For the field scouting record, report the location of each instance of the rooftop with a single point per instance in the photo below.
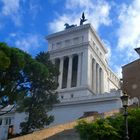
(73, 29)
(137, 50)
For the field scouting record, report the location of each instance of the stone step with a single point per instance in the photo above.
(70, 134)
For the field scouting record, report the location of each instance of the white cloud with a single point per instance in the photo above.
(71, 4)
(97, 13)
(118, 70)
(28, 43)
(34, 8)
(12, 34)
(11, 8)
(58, 24)
(129, 31)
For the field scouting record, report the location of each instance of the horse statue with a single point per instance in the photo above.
(67, 26)
(83, 19)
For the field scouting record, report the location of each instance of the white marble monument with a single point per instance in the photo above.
(86, 83)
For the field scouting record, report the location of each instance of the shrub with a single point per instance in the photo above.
(134, 124)
(111, 128)
(101, 129)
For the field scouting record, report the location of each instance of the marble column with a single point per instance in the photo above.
(61, 72)
(94, 76)
(91, 72)
(69, 72)
(85, 69)
(102, 81)
(79, 69)
(98, 77)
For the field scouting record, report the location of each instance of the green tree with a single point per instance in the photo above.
(134, 123)
(12, 80)
(29, 84)
(42, 93)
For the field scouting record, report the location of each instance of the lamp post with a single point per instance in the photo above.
(124, 99)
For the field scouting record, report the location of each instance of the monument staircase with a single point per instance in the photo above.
(64, 131)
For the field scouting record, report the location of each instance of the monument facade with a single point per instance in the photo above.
(81, 58)
(85, 76)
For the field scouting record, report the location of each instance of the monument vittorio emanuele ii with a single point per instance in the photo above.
(86, 83)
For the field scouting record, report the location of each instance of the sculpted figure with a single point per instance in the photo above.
(67, 26)
(83, 19)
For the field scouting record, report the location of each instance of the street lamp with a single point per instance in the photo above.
(124, 99)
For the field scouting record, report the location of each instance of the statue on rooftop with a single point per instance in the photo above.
(67, 26)
(83, 19)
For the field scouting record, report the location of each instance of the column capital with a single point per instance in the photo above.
(62, 57)
(79, 53)
(70, 56)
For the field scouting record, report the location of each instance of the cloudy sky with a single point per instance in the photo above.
(25, 23)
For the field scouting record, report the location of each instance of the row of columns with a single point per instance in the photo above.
(70, 72)
(97, 77)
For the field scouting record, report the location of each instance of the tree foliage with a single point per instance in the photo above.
(101, 129)
(111, 128)
(29, 83)
(134, 124)
(12, 62)
(42, 93)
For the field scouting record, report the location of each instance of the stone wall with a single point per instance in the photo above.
(52, 131)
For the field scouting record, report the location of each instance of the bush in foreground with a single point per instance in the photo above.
(111, 128)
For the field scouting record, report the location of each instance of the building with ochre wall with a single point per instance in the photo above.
(131, 78)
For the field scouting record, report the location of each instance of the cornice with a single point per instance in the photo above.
(73, 89)
(70, 30)
(98, 38)
(78, 28)
(90, 99)
(73, 48)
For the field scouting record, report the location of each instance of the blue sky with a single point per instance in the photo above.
(25, 23)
